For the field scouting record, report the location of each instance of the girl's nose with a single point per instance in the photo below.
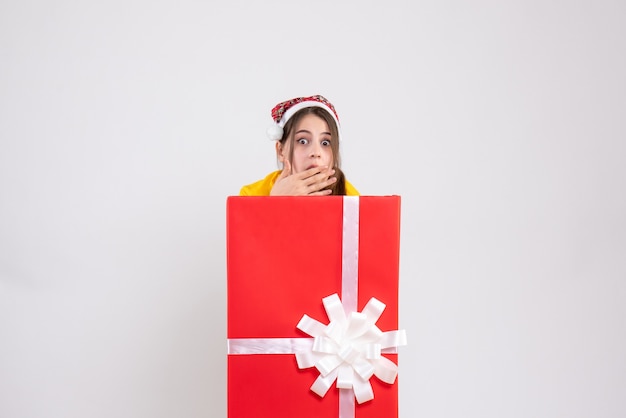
(316, 150)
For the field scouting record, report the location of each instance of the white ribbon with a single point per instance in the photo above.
(347, 350)
(268, 345)
(350, 254)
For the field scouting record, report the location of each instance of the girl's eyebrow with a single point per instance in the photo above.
(309, 132)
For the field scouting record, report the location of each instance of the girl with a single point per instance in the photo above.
(306, 132)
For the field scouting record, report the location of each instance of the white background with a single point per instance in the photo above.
(124, 125)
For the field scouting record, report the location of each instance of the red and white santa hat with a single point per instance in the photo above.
(283, 111)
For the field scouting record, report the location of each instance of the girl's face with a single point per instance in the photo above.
(311, 144)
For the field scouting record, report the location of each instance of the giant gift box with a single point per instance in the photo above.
(285, 256)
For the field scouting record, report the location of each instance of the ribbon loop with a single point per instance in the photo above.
(374, 309)
(334, 308)
(324, 345)
(393, 339)
(310, 326)
(323, 383)
(362, 390)
(357, 326)
(386, 370)
(307, 359)
(345, 377)
(372, 351)
(364, 369)
(328, 364)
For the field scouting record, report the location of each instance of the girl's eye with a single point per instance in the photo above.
(326, 143)
(303, 141)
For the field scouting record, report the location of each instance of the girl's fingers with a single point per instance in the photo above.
(324, 192)
(313, 181)
(286, 170)
(319, 188)
(317, 175)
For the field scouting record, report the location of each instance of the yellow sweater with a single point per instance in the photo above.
(263, 187)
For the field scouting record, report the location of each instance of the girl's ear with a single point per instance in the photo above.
(280, 152)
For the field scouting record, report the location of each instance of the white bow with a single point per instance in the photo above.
(349, 349)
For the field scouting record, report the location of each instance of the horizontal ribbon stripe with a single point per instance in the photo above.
(269, 345)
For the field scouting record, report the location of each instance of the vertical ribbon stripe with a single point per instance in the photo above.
(350, 254)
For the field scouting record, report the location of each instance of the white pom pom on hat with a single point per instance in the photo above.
(283, 111)
(275, 132)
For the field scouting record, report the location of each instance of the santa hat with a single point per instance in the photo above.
(282, 112)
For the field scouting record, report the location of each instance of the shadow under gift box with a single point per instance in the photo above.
(284, 255)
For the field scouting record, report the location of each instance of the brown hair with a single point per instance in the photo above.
(339, 187)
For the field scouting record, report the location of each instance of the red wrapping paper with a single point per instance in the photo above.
(284, 255)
